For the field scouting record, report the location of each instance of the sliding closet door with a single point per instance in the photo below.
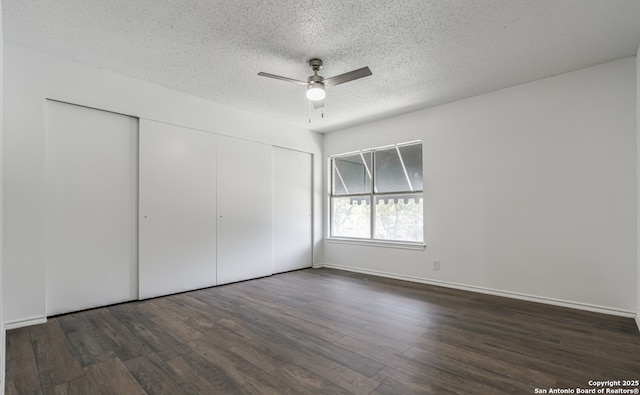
(244, 210)
(292, 205)
(91, 208)
(177, 209)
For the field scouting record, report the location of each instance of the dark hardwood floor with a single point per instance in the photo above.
(321, 332)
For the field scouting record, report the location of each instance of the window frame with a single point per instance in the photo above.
(373, 195)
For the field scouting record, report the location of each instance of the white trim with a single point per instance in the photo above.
(386, 146)
(378, 243)
(24, 322)
(638, 320)
(490, 291)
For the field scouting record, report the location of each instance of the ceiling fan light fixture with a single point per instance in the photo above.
(316, 83)
(315, 91)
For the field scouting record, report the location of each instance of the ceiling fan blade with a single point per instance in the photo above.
(277, 77)
(346, 77)
(317, 104)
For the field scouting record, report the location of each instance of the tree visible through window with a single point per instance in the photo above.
(377, 194)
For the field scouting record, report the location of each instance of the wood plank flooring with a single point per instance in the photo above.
(321, 331)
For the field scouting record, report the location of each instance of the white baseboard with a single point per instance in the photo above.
(489, 291)
(24, 322)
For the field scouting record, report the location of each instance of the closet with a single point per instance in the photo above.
(244, 210)
(177, 209)
(91, 208)
(292, 208)
(138, 208)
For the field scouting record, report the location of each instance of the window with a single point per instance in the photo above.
(377, 194)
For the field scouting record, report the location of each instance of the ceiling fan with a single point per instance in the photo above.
(316, 83)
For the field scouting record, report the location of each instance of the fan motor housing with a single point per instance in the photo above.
(315, 78)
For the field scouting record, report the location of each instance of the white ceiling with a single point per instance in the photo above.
(422, 53)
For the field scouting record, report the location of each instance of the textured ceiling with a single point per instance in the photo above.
(422, 53)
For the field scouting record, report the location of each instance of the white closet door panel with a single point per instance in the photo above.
(244, 210)
(292, 205)
(91, 208)
(177, 209)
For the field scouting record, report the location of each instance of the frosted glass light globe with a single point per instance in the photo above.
(315, 91)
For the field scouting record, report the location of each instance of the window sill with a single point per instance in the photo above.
(379, 243)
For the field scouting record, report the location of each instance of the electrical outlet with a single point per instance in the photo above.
(436, 265)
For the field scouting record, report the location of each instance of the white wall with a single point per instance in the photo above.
(638, 173)
(529, 191)
(30, 78)
(2, 330)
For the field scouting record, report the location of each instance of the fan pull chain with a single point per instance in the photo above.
(311, 111)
